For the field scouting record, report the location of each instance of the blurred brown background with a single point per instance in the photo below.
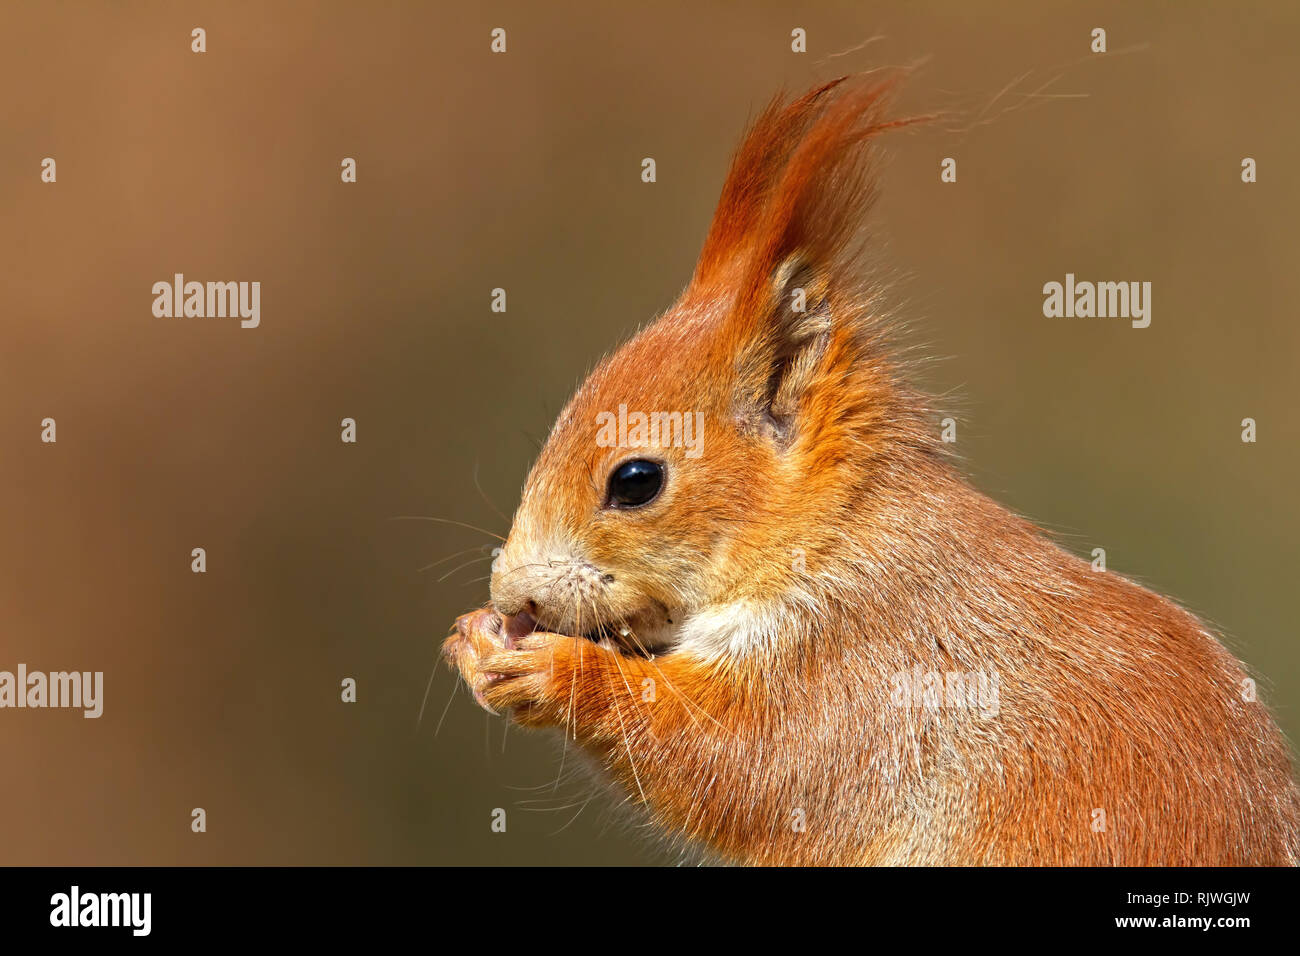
(522, 171)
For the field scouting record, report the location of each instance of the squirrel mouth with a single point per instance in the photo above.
(516, 626)
(643, 634)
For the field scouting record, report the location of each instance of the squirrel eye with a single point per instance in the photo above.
(635, 483)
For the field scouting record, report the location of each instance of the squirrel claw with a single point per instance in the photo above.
(482, 702)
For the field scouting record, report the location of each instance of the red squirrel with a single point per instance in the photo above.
(796, 634)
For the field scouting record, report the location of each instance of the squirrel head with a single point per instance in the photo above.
(708, 461)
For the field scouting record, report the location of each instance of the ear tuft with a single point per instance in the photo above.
(755, 170)
(783, 246)
(799, 186)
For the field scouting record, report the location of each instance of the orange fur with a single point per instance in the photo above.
(820, 546)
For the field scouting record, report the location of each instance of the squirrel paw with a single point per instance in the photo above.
(504, 672)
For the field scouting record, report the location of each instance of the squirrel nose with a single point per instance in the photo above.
(510, 593)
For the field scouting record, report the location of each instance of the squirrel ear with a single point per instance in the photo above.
(800, 330)
(783, 246)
